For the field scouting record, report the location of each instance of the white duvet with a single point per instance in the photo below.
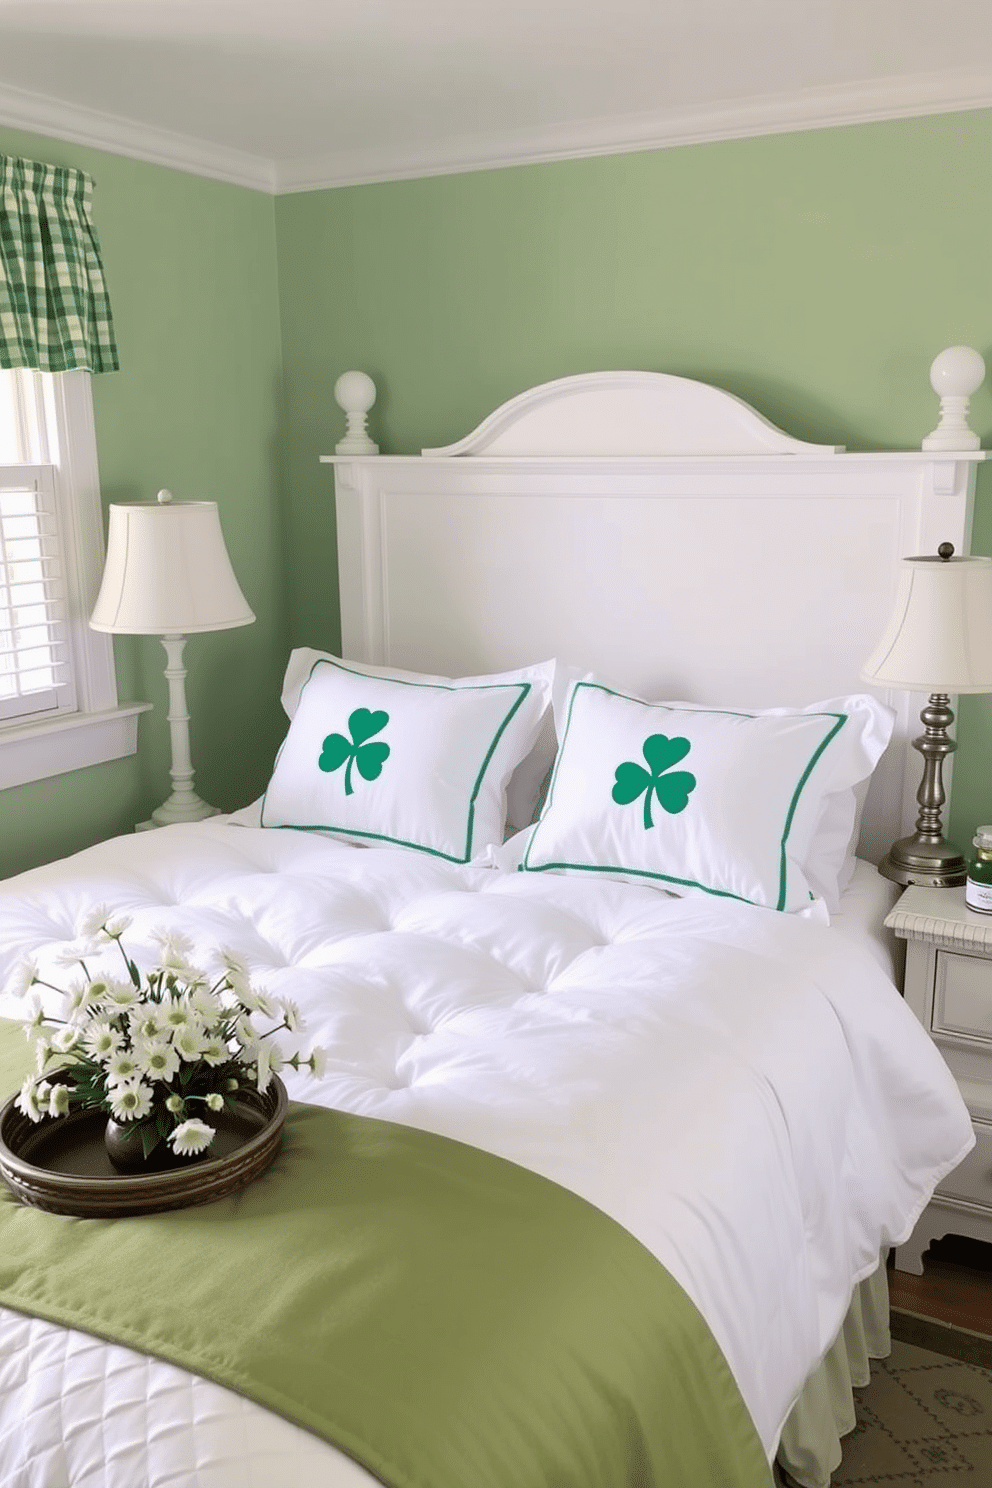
(745, 1091)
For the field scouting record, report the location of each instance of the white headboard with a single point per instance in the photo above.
(656, 531)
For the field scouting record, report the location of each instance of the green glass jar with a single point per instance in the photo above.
(978, 888)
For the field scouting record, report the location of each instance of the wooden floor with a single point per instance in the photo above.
(955, 1288)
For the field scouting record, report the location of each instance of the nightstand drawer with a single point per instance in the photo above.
(972, 1179)
(962, 996)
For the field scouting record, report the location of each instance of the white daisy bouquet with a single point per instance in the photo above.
(164, 1049)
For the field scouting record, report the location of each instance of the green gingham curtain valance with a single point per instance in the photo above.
(54, 310)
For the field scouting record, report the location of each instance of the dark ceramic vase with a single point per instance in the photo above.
(122, 1140)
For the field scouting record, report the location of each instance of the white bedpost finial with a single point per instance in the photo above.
(355, 393)
(164, 497)
(954, 375)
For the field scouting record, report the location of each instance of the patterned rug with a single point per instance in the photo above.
(925, 1420)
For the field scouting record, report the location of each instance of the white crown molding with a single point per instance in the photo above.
(813, 108)
(51, 117)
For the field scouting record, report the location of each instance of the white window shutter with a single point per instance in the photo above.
(35, 672)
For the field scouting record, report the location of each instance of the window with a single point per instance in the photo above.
(58, 694)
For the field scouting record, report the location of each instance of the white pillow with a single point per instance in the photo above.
(376, 754)
(524, 789)
(707, 800)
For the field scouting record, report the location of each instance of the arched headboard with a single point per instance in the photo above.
(658, 532)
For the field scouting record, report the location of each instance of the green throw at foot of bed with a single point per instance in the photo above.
(443, 1316)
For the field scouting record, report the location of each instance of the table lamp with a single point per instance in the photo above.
(939, 640)
(167, 573)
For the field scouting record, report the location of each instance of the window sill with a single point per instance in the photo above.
(55, 746)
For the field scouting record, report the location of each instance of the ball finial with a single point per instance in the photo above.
(946, 552)
(164, 497)
(954, 376)
(958, 371)
(355, 393)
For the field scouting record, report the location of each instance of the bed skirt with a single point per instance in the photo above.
(810, 1448)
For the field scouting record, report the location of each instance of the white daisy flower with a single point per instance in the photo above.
(42, 1055)
(93, 922)
(173, 942)
(204, 1004)
(79, 1000)
(247, 998)
(191, 1136)
(257, 1000)
(131, 1101)
(102, 1039)
(66, 1038)
(215, 1102)
(24, 978)
(264, 1004)
(176, 951)
(115, 928)
(122, 1068)
(291, 1015)
(318, 1063)
(234, 967)
(71, 955)
(269, 1061)
(120, 996)
(28, 1102)
(263, 1072)
(214, 1051)
(147, 1023)
(58, 1100)
(158, 1061)
(178, 1015)
(247, 1035)
(175, 1104)
(36, 1016)
(188, 1042)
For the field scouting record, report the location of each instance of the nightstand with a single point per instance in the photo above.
(949, 988)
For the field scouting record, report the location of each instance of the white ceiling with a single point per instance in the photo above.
(292, 94)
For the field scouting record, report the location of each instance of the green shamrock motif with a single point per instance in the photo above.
(672, 791)
(369, 758)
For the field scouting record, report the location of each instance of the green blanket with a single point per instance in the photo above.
(445, 1317)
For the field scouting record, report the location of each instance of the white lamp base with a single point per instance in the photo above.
(184, 805)
(173, 810)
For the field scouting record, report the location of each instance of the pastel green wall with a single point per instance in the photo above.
(815, 275)
(196, 407)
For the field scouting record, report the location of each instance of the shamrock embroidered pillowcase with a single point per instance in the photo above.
(696, 799)
(389, 757)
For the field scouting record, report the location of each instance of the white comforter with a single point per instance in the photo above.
(744, 1091)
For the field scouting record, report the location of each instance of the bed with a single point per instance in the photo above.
(702, 1042)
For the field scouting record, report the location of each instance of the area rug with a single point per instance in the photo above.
(925, 1420)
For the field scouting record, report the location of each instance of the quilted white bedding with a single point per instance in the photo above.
(743, 1090)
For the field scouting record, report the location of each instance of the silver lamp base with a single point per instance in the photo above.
(930, 861)
(927, 857)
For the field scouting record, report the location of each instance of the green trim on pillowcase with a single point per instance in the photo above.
(841, 720)
(434, 852)
(524, 866)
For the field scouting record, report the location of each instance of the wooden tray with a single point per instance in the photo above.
(61, 1164)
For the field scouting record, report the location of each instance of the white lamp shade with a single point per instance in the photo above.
(167, 572)
(939, 638)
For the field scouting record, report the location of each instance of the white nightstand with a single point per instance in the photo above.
(949, 988)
